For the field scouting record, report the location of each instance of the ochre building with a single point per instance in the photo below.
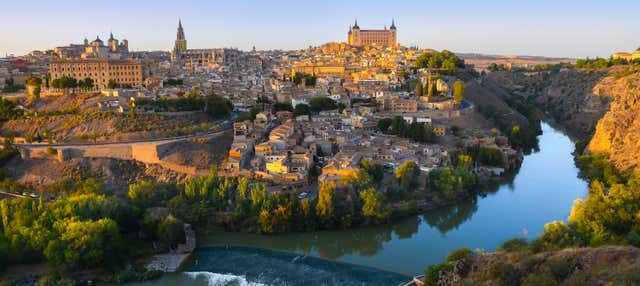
(379, 38)
(124, 72)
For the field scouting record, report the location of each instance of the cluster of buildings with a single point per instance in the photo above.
(369, 78)
(627, 56)
(102, 63)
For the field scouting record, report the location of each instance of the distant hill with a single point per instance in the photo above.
(481, 61)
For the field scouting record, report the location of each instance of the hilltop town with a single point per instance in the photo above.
(294, 119)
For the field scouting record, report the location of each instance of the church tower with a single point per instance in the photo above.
(181, 42)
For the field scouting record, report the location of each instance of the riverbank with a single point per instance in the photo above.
(543, 190)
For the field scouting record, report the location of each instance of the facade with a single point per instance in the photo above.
(379, 38)
(627, 56)
(124, 72)
(114, 49)
(196, 58)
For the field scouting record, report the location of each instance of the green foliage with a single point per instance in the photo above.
(144, 194)
(112, 84)
(279, 106)
(302, 109)
(452, 181)
(374, 170)
(85, 244)
(514, 244)
(432, 272)
(598, 167)
(556, 235)
(384, 124)
(171, 231)
(64, 82)
(172, 82)
(8, 110)
(506, 274)
(463, 253)
(320, 103)
(373, 208)
(33, 81)
(490, 156)
(597, 63)
(407, 174)
(458, 91)
(496, 67)
(444, 60)
(539, 280)
(421, 132)
(215, 106)
(310, 80)
(325, 205)
(86, 83)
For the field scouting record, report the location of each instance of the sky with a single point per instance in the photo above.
(558, 28)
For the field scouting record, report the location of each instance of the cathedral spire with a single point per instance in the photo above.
(180, 35)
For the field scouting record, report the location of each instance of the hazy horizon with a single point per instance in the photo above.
(541, 28)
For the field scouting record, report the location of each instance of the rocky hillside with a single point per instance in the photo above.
(609, 265)
(618, 132)
(567, 96)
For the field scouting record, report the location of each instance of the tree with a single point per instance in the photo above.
(324, 206)
(112, 84)
(86, 83)
(64, 82)
(85, 244)
(33, 81)
(302, 109)
(458, 91)
(463, 253)
(419, 89)
(218, 106)
(407, 174)
(373, 208)
(320, 103)
(171, 231)
(384, 124)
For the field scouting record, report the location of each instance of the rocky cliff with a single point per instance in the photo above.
(617, 134)
(608, 265)
(567, 96)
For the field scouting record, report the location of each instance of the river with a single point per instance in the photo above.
(542, 191)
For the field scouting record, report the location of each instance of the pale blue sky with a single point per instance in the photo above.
(538, 27)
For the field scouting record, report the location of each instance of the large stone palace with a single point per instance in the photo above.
(381, 38)
(99, 62)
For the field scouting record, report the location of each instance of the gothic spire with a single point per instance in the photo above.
(393, 24)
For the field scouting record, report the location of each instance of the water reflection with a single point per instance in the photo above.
(452, 216)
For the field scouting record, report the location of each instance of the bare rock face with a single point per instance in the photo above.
(567, 96)
(618, 132)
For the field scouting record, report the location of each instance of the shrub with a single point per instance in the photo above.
(514, 244)
(507, 274)
(463, 253)
(539, 280)
(432, 272)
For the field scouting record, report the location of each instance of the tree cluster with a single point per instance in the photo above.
(444, 60)
(421, 132)
(214, 105)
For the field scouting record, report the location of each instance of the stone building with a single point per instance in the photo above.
(380, 38)
(124, 72)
